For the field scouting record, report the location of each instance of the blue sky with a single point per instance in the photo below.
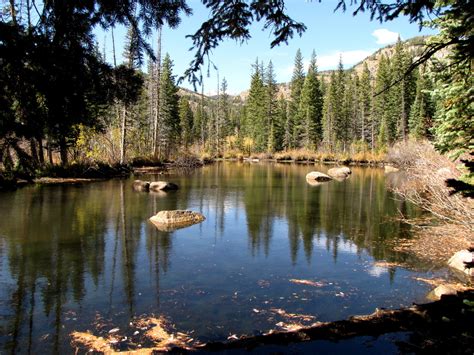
(329, 33)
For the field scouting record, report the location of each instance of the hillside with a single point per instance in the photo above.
(414, 45)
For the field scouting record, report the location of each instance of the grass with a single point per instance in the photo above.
(363, 157)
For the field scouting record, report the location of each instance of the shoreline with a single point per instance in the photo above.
(436, 244)
(15, 183)
(444, 325)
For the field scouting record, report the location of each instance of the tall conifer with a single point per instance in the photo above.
(311, 107)
(271, 90)
(422, 109)
(168, 115)
(296, 86)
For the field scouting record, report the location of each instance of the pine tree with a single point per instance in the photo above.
(350, 112)
(401, 94)
(285, 122)
(296, 86)
(169, 131)
(133, 59)
(422, 109)
(132, 51)
(311, 107)
(271, 108)
(224, 112)
(330, 110)
(255, 110)
(185, 121)
(340, 120)
(365, 104)
(383, 106)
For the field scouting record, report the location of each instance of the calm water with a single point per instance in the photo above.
(73, 256)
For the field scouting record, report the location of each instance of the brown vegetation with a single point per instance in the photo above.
(425, 185)
(308, 155)
(148, 330)
(441, 326)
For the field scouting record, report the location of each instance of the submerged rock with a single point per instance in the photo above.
(458, 261)
(442, 290)
(162, 186)
(340, 173)
(139, 185)
(390, 169)
(317, 176)
(175, 219)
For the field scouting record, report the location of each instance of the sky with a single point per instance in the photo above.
(330, 34)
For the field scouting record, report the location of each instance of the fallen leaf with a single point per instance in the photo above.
(307, 282)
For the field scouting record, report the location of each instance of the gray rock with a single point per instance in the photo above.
(162, 186)
(442, 290)
(174, 219)
(340, 172)
(139, 185)
(317, 176)
(458, 259)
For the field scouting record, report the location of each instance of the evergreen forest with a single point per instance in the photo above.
(61, 102)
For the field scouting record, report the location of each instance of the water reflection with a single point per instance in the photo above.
(69, 253)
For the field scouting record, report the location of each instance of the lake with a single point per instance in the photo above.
(79, 256)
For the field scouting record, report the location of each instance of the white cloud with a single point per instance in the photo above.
(349, 58)
(385, 36)
(376, 271)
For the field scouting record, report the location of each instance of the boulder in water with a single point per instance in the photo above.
(139, 185)
(162, 186)
(317, 176)
(340, 172)
(175, 219)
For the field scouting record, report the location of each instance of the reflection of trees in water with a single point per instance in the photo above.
(43, 252)
(58, 238)
(61, 240)
(357, 212)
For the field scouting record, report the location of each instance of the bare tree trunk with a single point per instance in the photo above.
(151, 109)
(28, 14)
(40, 150)
(113, 48)
(50, 153)
(13, 12)
(123, 132)
(34, 151)
(157, 98)
(217, 115)
(63, 151)
(202, 113)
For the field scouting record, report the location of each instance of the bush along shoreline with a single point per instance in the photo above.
(76, 173)
(71, 173)
(370, 158)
